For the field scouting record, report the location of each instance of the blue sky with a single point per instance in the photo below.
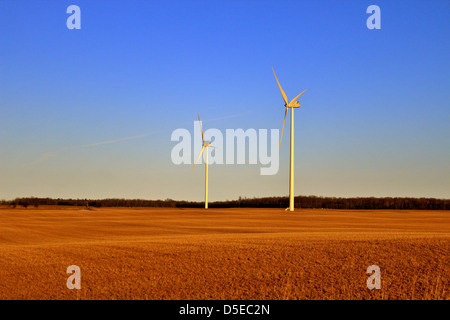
(89, 113)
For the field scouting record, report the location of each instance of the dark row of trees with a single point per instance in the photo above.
(268, 202)
(343, 203)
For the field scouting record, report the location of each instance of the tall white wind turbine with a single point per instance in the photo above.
(292, 104)
(205, 145)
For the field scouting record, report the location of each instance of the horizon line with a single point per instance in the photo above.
(242, 198)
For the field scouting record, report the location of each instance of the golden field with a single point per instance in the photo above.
(173, 253)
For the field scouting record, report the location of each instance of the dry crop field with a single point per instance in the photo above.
(165, 253)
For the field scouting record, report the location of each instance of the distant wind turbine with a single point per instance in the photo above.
(292, 104)
(205, 145)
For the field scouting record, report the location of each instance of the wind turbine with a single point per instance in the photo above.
(292, 104)
(205, 145)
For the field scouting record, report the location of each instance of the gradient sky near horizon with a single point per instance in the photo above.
(89, 113)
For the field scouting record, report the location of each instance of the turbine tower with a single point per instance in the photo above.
(292, 104)
(205, 145)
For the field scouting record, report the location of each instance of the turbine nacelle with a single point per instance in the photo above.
(291, 104)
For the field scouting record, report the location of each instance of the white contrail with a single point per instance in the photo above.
(116, 140)
(47, 155)
(44, 157)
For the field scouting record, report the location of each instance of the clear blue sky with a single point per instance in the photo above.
(89, 113)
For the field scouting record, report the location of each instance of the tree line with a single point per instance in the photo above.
(313, 202)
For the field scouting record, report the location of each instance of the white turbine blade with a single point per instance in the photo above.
(281, 89)
(199, 121)
(297, 97)
(284, 122)
(203, 148)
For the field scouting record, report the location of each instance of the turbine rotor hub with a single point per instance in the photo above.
(295, 104)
